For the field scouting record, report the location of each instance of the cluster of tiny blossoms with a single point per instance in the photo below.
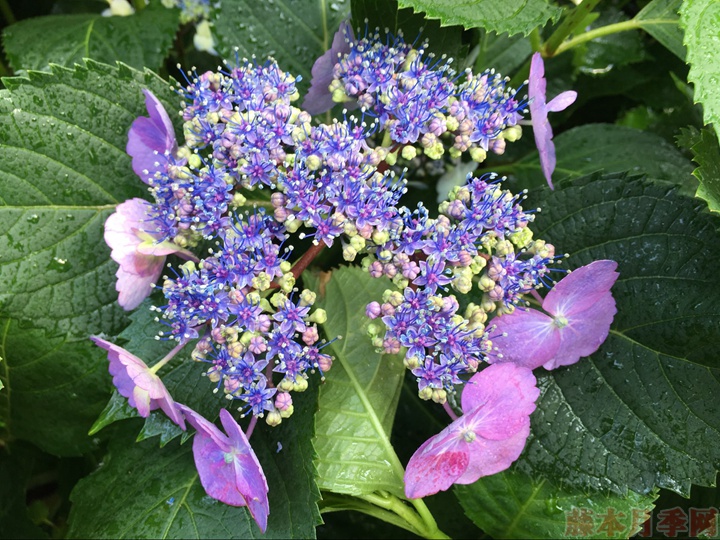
(256, 330)
(421, 103)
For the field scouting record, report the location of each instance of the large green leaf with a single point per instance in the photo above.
(701, 19)
(359, 398)
(140, 40)
(606, 147)
(142, 491)
(612, 51)
(63, 168)
(511, 16)
(660, 19)
(511, 504)
(15, 520)
(384, 14)
(294, 32)
(706, 154)
(642, 411)
(55, 388)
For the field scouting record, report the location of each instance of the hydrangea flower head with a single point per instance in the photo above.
(538, 112)
(581, 310)
(137, 382)
(228, 468)
(140, 254)
(486, 439)
(150, 139)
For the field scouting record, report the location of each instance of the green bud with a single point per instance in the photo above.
(451, 123)
(300, 385)
(349, 253)
(439, 395)
(287, 282)
(455, 152)
(462, 284)
(411, 362)
(513, 133)
(287, 413)
(273, 418)
(194, 161)
(435, 151)
(426, 393)
(285, 267)
(313, 162)
(278, 299)
(307, 297)
(391, 158)
(400, 281)
(486, 284)
(238, 200)
(380, 237)
(409, 152)
(522, 237)
(318, 316)
(478, 154)
(357, 242)
(262, 281)
(286, 385)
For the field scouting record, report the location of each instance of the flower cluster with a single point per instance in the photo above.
(255, 329)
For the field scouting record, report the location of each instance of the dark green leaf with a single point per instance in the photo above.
(359, 398)
(15, 521)
(701, 20)
(142, 491)
(139, 40)
(660, 19)
(642, 411)
(55, 388)
(707, 155)
(294, 32)
(502, 52)
(384, 14)
(607, 52)
(511, 504)
(606, 147)
(511, 16)
(63, 168)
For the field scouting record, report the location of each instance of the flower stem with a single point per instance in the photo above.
(421, 522)
(169, 356)
(448, 409)
(304, 261)
(574, 19)
(623, 26)
(251, 427)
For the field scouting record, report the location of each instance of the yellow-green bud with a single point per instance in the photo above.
(462, 284)
(287, 413)
(313, 162)
(380, 237)
(238, 200)
(278, 299)
(235, 349)
(391, 158)
(486, 284)
(409, 152)
(503, 248)
(194, 161)
(318, 316)
(262, 281)
(478, 154)
(400, 281)
(273, 418)
(426, 393)
(435, 151)
(300, 385)
(307, 297)
(513, 133)
(477, 265)
(287, 282)
(411, 362)
(452, 123)
(439, 395)
(357, 242)
(349, 253)
(455, 152)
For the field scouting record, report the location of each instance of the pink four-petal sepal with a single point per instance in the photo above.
(539, 109)
(135, 381)
(140, 254)
(486, 439)
(229, 469)
(580, 309)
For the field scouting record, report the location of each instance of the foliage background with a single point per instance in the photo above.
(635, 426)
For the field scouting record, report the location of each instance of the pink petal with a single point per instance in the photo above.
(561, 101)
(217, 476)
(581, 288)
(122, 226)
(318, 98)
(150, 138)
(436, 465)
(134, 288)
(499, 400)
(584, 333)
(491, 457)
(532, 338)
(142, 402)
(202, 425)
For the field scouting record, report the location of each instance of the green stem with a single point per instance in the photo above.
(7, 12)
(422, 522)
(536, 39)
(596, 33)
(169, 356)
(568, 26)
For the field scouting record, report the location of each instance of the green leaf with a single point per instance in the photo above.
(642, 411)
(706, 154)
(511, 16)
(511, 504)
(15, 521)
(63, 168)
(55, 388)
(701, 20)
(660, 19)
(384, 14)
(142, 491)
(294, 32)
(502, 52)
(611, 51)
(140, 40)
(359, 398)
(610, 148)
